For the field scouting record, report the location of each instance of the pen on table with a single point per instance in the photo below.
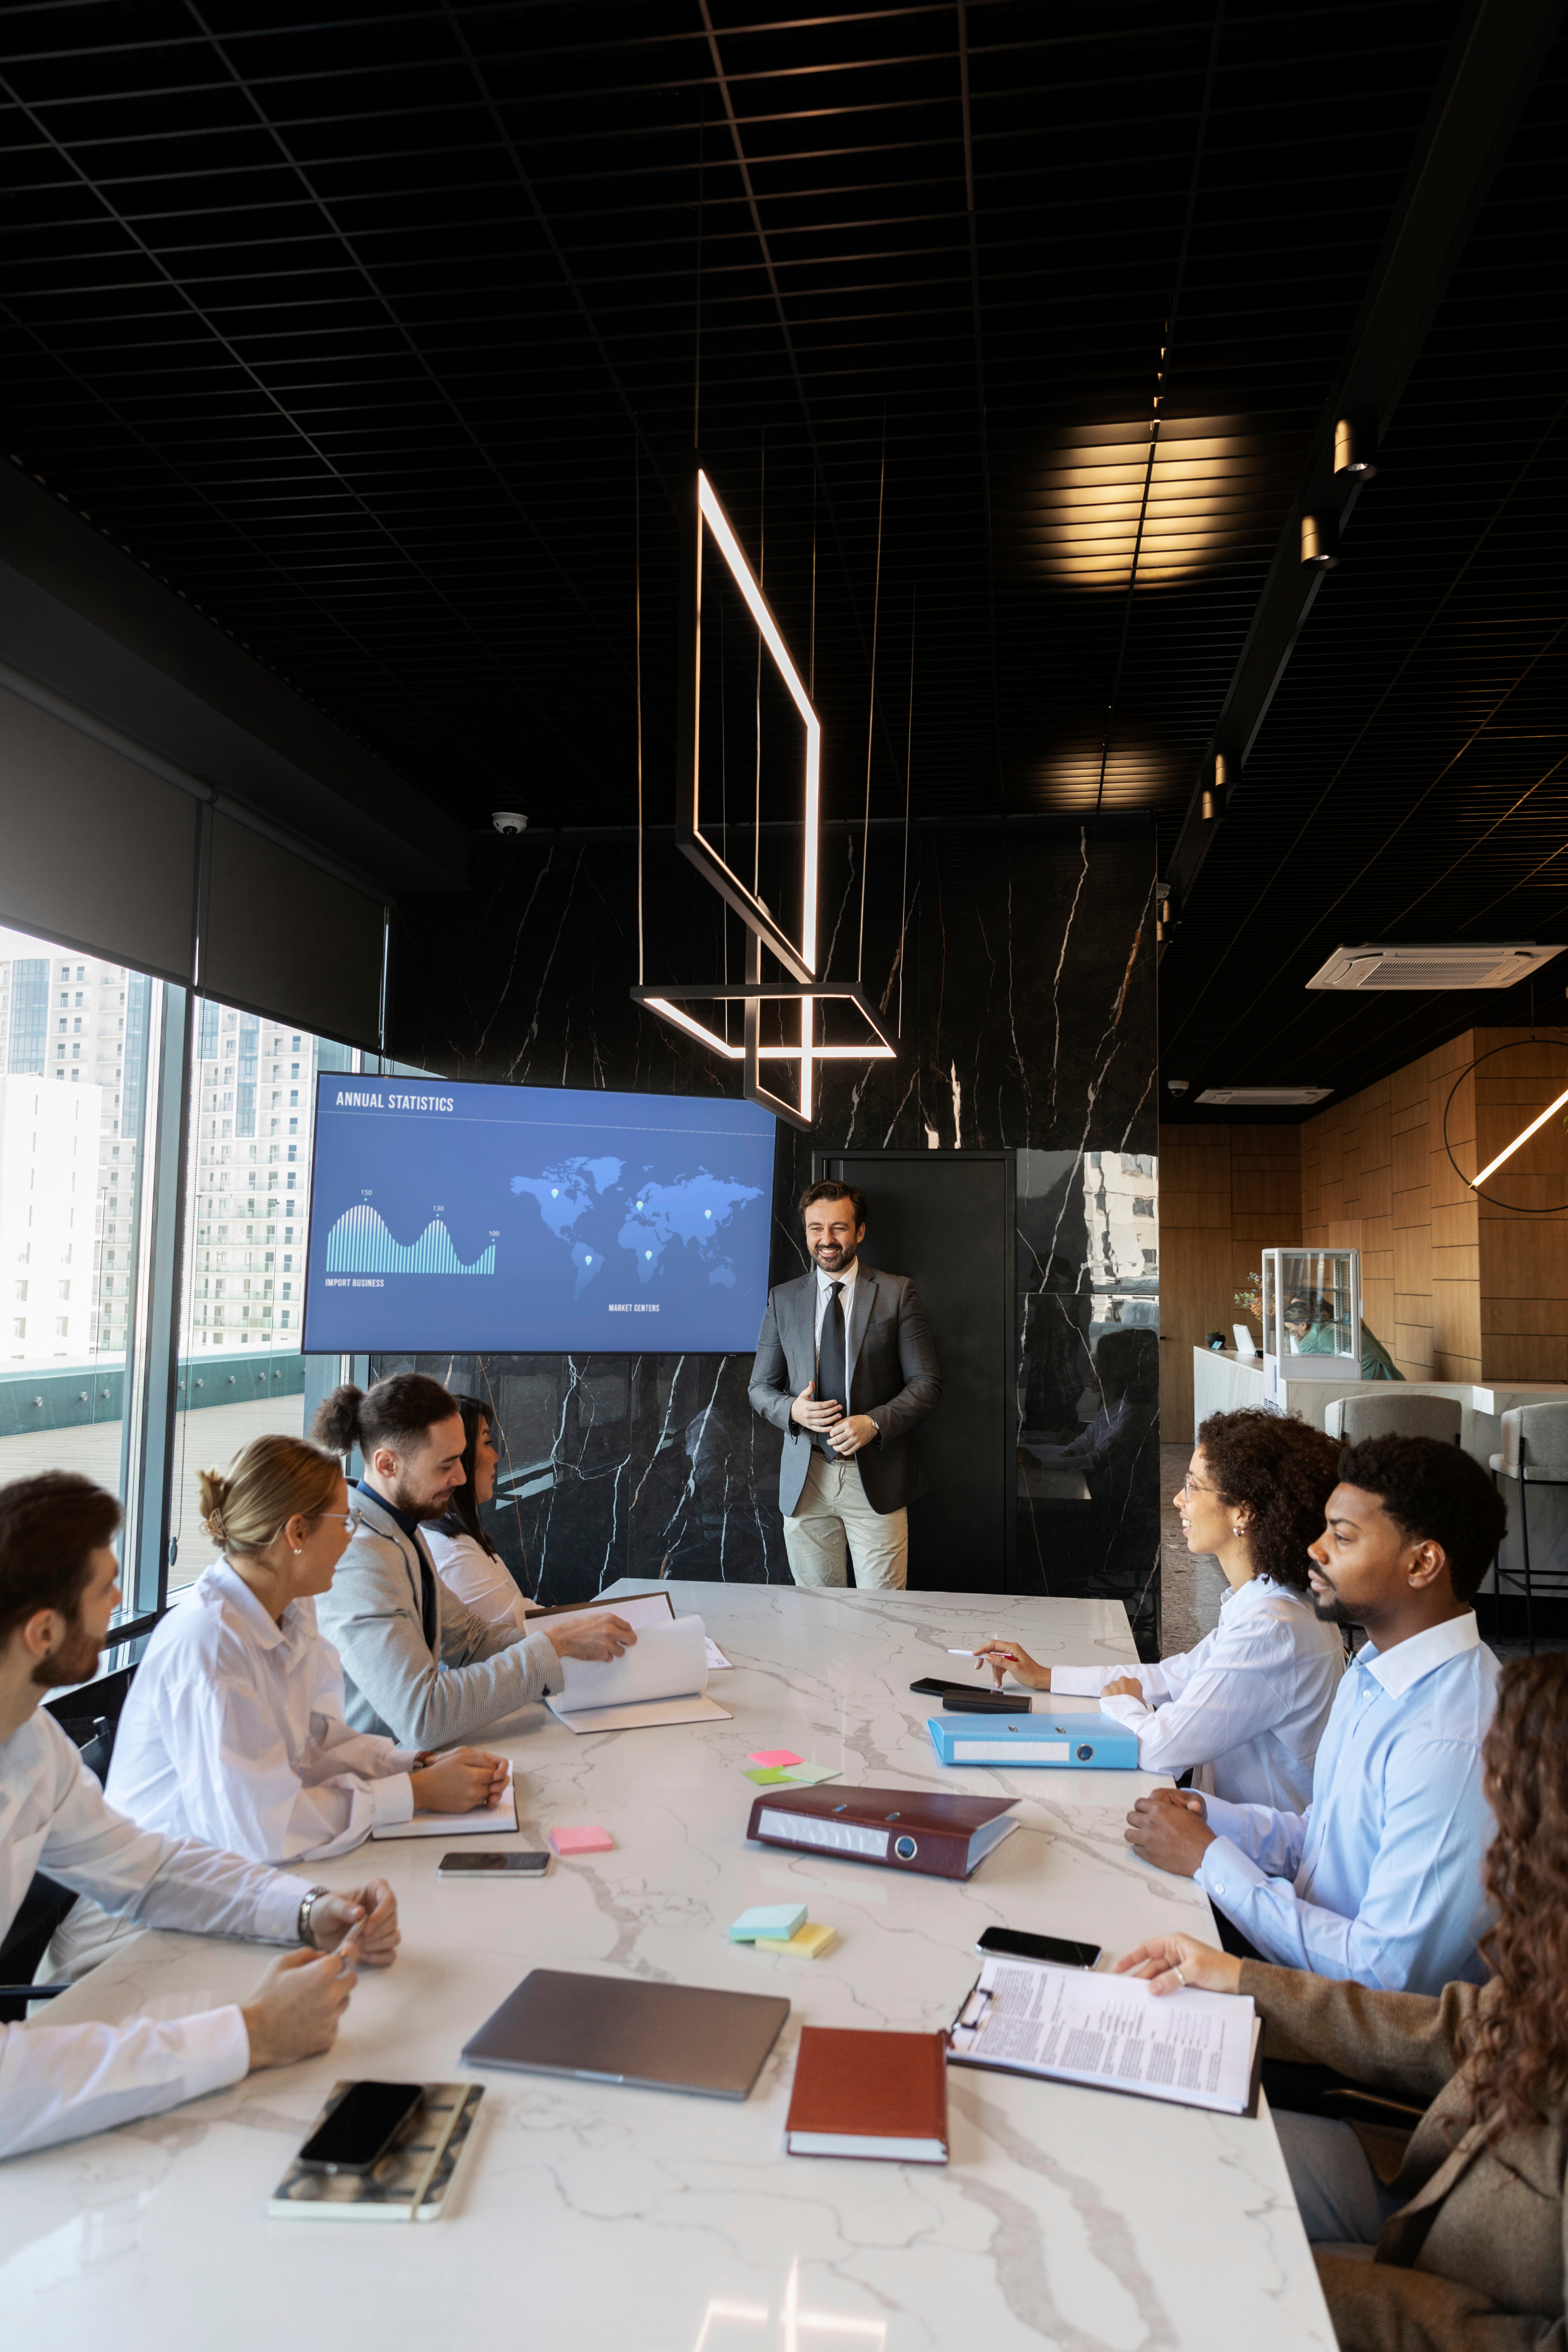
(1011, 1656)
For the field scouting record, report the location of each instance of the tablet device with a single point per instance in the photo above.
(660, 2037)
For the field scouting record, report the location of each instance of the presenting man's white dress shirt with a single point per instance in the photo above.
(1380, 1880)
(1245, 1709)
(60, 2081)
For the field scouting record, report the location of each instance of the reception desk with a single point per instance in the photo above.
(1224, 1382)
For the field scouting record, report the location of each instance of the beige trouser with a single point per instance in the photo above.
(832, 1505)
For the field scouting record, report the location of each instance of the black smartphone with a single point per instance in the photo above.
(361, 2127)
(1008, 1944)
(492, 1866)
(972, 1699)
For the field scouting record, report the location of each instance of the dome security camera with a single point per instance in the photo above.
(1176, 1086)
(508, 821)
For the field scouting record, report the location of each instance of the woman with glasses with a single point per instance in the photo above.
(234, 1732)
(467, 1562)
(1244, 1709)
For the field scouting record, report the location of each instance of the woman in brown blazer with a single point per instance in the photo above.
(1463, 2250)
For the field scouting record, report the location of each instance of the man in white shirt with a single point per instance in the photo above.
(59, 1589)
(1379, 1880)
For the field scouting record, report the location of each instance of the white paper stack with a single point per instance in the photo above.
(663, 1678)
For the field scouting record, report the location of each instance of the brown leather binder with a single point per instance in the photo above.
(904, 1829)
(879, 2094)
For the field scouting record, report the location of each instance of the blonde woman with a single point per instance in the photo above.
(234, 1732)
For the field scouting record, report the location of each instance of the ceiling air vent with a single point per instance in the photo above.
(1433, 964)
(1264, 1097)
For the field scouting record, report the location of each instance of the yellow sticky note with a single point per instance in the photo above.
(807, 1943)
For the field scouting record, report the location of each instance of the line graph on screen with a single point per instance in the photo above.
(360, 1242)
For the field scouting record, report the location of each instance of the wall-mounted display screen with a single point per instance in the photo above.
(527, 1219)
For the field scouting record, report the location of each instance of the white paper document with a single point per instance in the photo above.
(1028, 2017)
(716, 1661)
(660, 1679)
(493, 1821)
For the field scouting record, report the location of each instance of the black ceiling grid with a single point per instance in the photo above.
(1411, 779)
(355, 326)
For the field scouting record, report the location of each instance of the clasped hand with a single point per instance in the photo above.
(845, 1433)
(1171, 1830)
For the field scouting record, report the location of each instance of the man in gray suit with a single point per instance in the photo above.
(418, 1667)
(845, 1368)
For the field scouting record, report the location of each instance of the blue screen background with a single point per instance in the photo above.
(534, 1220)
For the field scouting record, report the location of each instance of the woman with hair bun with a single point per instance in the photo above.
(234, 1732)
(1244, 1710)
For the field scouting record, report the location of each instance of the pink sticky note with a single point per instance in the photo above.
(777, 1757)
(587, 1841)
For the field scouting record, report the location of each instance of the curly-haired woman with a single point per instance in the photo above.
(1246, 1708)
(1463, 2250)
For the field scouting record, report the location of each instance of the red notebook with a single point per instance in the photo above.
(881, 2095)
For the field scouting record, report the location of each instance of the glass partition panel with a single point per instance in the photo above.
(74, 1043)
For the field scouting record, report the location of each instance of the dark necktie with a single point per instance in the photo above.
(832, 1373)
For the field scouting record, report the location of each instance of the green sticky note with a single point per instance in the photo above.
(810, 1773)
(766, 1776)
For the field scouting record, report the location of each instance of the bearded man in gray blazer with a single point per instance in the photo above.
(846, 1369)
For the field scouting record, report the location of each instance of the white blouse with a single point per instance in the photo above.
(485, 1584)
(234, 1733)
(1245, 1709)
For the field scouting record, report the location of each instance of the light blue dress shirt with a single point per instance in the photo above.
(1379, 1881)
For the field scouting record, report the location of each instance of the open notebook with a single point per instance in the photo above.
(663, 1678)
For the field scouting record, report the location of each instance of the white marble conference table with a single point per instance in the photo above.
(614, 2220)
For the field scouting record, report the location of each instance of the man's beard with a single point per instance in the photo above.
(1329, 1610)
(76, 1660)
(845, 1261)
(423, 1512)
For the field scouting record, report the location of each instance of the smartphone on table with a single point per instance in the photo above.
(492, 1866)
(1010, 1944)
(361, 2127)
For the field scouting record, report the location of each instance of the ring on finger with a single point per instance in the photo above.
(1179, 1978)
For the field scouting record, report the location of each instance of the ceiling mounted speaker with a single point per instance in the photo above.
(1430, 965)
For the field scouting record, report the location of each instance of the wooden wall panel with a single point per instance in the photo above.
(1522, 1260)
(1225, 1194)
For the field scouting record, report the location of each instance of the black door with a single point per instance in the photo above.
(946, 1218)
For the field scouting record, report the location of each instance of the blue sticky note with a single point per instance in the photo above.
(779, 1919)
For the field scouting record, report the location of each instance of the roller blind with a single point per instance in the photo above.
(283, 938)
(97, 849)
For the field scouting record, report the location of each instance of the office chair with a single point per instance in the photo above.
(47, 1902)
(1534, 1453)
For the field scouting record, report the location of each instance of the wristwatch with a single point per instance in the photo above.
(312, 1896)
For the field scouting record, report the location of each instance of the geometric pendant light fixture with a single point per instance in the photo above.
(710, 535)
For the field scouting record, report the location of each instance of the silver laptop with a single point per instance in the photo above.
(662, 2037)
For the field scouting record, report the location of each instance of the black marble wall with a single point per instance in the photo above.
(1021, 959)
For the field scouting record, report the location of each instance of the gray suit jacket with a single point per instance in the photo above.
(393, 1681)
(894, 1379)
